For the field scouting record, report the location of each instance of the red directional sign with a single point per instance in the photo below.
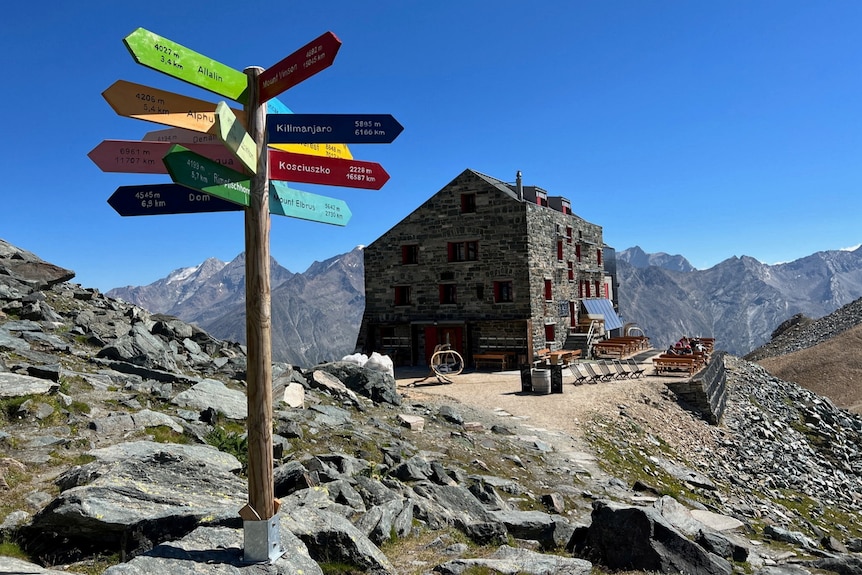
(290, 167)
(132, 157)
(315, 56)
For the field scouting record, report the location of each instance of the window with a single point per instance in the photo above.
(568, 234)
(550, 334)
(410, 254)
(578, 252)
(448, 293)
(598, 286)
(559, 250)
(549, 290)
(571, 267)
(599, 256)
(402, 295)
(468, 203)
(463, 251)
(480, 292)
(503, 292)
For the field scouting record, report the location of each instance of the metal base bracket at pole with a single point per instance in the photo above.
(262, 540)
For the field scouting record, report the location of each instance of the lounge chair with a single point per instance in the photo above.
(622, 371)
(580, 376)
(594, 377)
(637, 370)
(606, 371)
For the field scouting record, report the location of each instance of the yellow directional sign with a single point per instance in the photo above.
(154, 105)
(234, 136)
(326, 150)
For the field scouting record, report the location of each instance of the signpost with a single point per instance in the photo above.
(234, 136)
(326, 171)
(132, 157)
(328, 128)
(315, 56)
(198, 173)
(202, 184)
(161, 199)
(145, 103)
(286, 201)
(181, 136)
(167, 57)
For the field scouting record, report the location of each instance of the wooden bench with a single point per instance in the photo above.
(563, 356)
(494, 358)
(668, 363)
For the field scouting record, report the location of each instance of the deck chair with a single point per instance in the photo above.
(637, 370)
(606, 371)
(580, 376)
(622, 371)
(593, 376)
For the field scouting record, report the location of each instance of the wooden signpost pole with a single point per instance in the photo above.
(261, 492)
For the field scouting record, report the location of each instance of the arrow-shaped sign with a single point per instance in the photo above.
(235, 138)
(326, 171)
(161, 199)
(332, 128)
(131, 157)
(285, 201)
(170, 58)
(154, 105)
(198, 173)
(315, 56)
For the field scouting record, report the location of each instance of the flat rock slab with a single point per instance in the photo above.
(17, 385)
(211, 393)
(715, 520)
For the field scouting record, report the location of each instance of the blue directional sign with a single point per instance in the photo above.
(332, 128)
(160, 199)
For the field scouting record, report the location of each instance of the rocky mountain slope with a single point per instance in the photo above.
(315, 314)
(122, 438)
(739, 301)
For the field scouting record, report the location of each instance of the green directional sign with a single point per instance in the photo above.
(170, 58)
(285, 201)
(198, 173)
(231, 132)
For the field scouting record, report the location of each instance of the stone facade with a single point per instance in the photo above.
(481, 265)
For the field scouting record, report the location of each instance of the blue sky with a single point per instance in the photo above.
(708, 129)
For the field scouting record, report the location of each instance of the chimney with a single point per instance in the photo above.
(519, 186)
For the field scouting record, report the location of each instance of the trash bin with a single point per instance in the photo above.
(556, 379)
(526, 379)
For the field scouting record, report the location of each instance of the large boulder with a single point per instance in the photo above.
(628, 537)
(377, 385)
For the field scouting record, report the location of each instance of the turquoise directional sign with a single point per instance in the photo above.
(198, 173)
(285, 201)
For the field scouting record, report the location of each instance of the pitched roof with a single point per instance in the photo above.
(500, 185)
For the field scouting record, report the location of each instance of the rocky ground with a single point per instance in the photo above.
(122, 451)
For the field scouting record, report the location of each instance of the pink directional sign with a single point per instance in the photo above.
(289, 167)
(132, 157)
(315, 56)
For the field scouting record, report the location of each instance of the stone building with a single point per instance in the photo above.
(485, 266)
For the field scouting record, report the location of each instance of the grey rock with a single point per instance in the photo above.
(331, 537)
(551, 531)
(218, 551)
(210, 393)
(17, 385)
(14, 566)
(376, 385)
(512, 561)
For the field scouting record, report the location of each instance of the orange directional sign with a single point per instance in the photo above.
(315, 56)
(132, 157)
(154, 105)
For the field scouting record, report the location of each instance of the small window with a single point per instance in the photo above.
(402, 295)
(568, 234)
(549, 290)
(571, 267)
(480, 292)
(503, 292)
(559, 250)
(448, 294)
(463, 251)
(578, 252)
(550, 334)
(468, 203)
(410, 254)
(599, 256)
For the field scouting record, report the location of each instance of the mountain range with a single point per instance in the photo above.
(316, 314)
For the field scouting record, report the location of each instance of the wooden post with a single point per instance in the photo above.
(258, 311)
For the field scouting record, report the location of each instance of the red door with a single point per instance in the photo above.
(436, 335)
